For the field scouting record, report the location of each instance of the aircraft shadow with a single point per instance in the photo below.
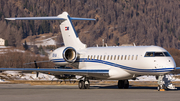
(130, 87)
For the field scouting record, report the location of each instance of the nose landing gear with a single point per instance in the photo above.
(164, 82)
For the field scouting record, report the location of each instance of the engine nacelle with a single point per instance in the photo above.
(69, 54)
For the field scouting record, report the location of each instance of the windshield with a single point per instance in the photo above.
(157, 54)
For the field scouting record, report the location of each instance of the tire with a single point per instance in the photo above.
(164, 87)
(86, 86)
(158, 88)
(81, 84)
(126, 84)
(121, 84)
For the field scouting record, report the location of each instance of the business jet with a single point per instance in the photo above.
(103, 63)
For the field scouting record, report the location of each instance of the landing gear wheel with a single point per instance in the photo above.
(87, 84)
(164, 87)
(158, 88)
(121, 84)
(161, 87)
(126, 84)
(81, 84)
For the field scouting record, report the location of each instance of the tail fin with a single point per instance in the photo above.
(69, 34)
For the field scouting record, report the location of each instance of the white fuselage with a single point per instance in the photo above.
(123, 62)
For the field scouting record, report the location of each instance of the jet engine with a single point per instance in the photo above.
(69, 54)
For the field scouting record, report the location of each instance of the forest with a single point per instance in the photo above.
(143, 22)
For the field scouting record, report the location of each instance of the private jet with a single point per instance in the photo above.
(103, 63)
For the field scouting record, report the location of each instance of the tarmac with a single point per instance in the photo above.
(27, 92)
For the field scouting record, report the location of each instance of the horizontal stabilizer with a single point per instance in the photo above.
(47, 18)
(73, 18)
(36, 18)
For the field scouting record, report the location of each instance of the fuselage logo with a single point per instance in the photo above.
(66, 28)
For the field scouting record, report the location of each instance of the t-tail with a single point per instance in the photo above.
(69, 34)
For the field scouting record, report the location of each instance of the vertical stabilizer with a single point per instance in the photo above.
(70, 37)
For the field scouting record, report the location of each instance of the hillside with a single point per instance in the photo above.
(145, 22)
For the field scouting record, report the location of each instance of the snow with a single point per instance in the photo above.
(45, 42)
(3, 51)
(25, 76)
(145, 78)
(4, 47)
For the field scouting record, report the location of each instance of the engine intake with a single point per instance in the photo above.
(69, 54)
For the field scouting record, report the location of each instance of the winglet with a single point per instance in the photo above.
(177, 68)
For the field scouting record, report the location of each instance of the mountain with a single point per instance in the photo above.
(144, 22)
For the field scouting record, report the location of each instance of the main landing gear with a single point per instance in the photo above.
(123, 84)
(84, 84)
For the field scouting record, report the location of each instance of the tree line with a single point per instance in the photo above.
(144, 22)
(15, 58)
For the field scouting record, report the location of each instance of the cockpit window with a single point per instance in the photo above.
(157, 54)
(149, 54)
(166, 54)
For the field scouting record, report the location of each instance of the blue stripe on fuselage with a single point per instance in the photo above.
(117, 65)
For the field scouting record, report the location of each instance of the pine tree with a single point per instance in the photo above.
(25, 45)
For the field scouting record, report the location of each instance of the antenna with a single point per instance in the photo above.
(134, 44)
(102, 42)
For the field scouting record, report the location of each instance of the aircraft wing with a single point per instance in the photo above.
(81, 72)
(177, 68)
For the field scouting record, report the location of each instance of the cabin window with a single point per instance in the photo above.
(125, 57)
(88, 57)
(122, 57)
(97, 57)
(94, 57)
(132, 57)
(108, 57)
(114, 57)
(128, 57)
(118, 57)
(91, 57)
(100, 57)
(111, 57)
(104, 57)
(136, 57)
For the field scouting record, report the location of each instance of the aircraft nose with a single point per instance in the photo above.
(171, 63)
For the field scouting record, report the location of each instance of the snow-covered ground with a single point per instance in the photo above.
(45, 42)
(15, 75)
(4, 47)
(5, 50)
